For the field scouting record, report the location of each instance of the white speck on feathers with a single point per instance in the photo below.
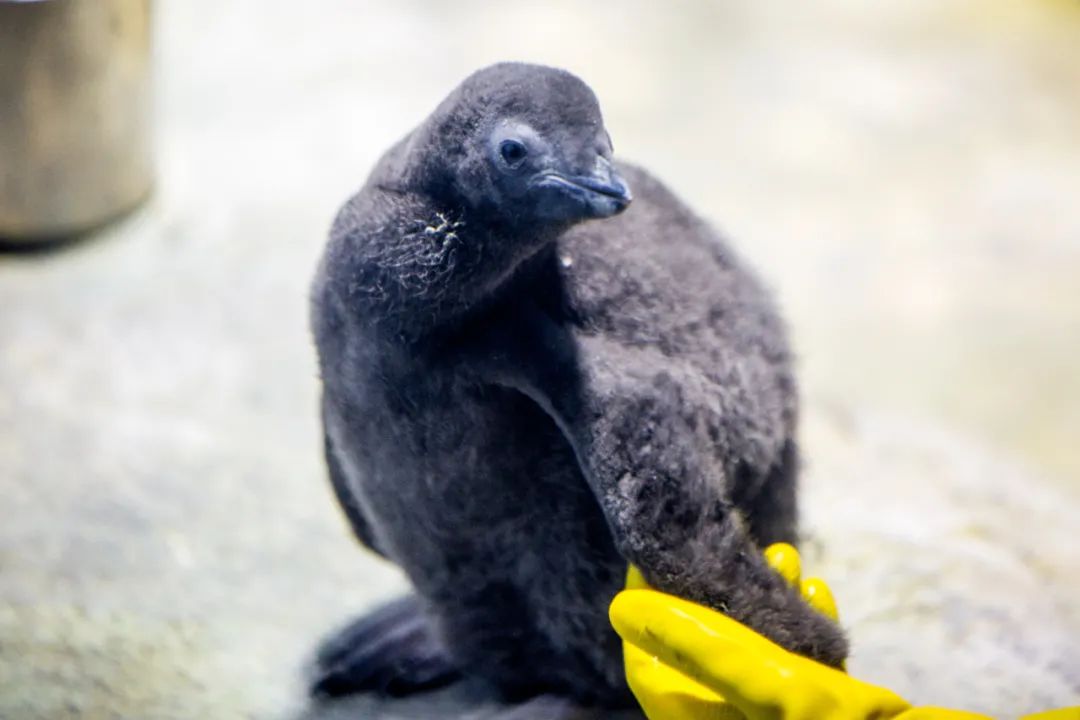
(443, 225)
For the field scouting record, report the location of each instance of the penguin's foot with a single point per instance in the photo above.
(391, 651)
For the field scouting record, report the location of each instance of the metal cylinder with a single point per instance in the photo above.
(75, 136)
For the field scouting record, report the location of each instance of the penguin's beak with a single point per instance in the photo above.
(603, 191)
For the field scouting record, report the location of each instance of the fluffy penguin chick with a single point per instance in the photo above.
(530, 380)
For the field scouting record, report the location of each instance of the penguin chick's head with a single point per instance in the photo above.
(527, 144)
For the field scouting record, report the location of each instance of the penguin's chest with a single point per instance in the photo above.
(479, 470)
(481, 502)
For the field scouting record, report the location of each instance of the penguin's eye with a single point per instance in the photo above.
(513, 152)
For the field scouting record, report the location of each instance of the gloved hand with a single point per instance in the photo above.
(687, 662)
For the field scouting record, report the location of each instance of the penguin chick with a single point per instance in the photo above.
(530, 381)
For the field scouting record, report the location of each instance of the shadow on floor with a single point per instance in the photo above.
(460, 702)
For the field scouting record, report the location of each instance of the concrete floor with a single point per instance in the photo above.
(904, 174)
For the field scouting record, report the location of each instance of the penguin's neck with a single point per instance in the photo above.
(439, 265)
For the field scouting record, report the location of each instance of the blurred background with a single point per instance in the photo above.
(904, 175)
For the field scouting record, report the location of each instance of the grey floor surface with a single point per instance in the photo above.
(906, 176)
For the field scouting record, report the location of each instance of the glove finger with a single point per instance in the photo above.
(751, 672)
(937, 713)
(820, 597)
(727, 657)
(664, 692)
(1067, 713)
(635, 580)
(785, 560)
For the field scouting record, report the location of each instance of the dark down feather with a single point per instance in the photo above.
(528, 384)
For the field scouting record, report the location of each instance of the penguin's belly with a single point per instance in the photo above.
(489, 515)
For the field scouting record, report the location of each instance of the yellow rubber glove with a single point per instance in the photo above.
(687, 662)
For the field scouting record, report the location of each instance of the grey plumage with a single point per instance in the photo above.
(524, 388)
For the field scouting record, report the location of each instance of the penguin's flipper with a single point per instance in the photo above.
(392, 651)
